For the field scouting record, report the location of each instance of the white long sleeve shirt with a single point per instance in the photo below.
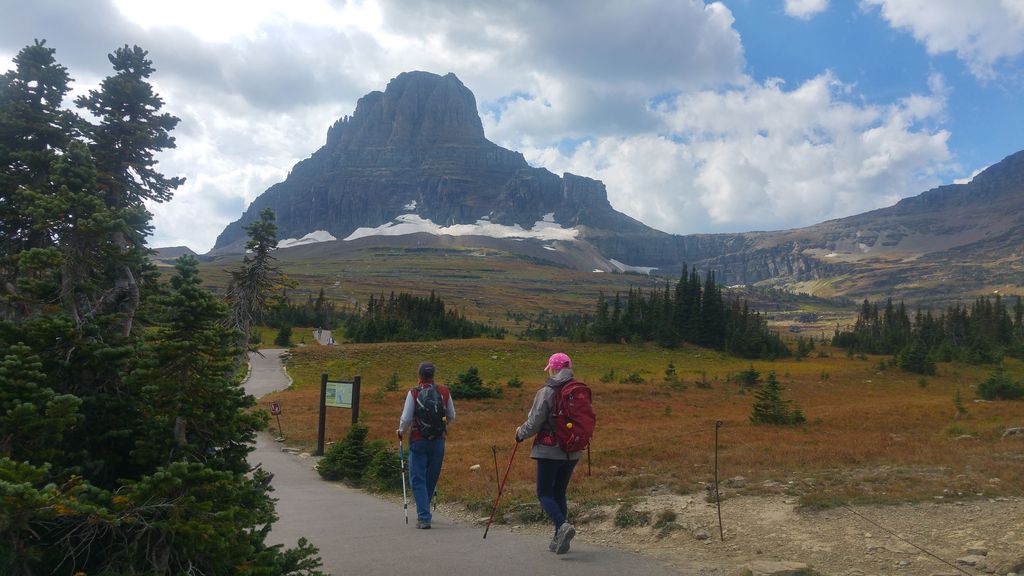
(409, 411)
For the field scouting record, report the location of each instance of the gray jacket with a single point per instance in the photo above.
(541, 417)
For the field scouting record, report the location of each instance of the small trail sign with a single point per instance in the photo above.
(275, 408)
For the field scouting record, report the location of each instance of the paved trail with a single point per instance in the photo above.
(361, 534)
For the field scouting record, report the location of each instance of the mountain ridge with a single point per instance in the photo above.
(418, 150)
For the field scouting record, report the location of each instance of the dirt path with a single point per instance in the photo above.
(835, 542)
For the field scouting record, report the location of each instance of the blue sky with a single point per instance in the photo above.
(699, 116)
(984, 116)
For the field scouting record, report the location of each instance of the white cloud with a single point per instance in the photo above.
(805, 9)
(256, 88)
(982, 33)
(968, 179)
(760, 157)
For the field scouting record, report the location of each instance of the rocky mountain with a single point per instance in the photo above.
(418, 149)
(414, 159)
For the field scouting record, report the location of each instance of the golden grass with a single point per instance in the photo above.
(871, 436)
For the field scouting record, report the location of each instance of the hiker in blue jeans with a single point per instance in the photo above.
(554, 465)
(427, 412)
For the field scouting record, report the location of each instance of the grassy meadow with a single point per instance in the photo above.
(873, 433)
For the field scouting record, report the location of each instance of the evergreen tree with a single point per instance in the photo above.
(256, 286)
(915, 358)
(34, 132)
(130, 132)
(770, 408)
(121, 451)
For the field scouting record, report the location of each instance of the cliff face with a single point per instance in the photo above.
(419, 147)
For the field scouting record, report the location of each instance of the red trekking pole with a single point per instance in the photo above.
(501, 489)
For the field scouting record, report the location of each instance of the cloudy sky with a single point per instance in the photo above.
(699, 116)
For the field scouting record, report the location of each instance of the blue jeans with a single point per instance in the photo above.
(425, 458)
(552, 482)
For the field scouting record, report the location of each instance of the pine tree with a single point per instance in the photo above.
(770, 408)
(121, 451)
(34, 133)
(258, 282)
(131, 131)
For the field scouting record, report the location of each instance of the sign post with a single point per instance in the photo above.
(275, 410)
(338, 395)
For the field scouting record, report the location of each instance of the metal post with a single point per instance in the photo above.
(355, 399)
(280, 431)
(718, 499)
(497, 478)
(323, 415)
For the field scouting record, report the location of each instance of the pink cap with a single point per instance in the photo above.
(558, 361)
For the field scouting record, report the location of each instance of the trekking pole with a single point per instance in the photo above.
(718, 499)
(588, 459)
(405, 497)
(494, 451)
(501, 488)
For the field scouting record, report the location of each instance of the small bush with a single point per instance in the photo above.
(749, 377)
(608, 376)
(469, 385)
(628, 517)
(632, 378)
(384, 473)
(664, 517)
(671, 377)
(958, 404)
(999, 387)
(392, 384)
(955, 429)
(770, 408)
(514, 382)
(284, 336)
(915, 358)
(347, 460)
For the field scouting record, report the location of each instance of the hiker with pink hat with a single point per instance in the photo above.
(558, 446)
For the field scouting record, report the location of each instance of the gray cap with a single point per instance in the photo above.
(426, 370)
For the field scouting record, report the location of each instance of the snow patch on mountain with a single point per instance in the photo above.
(311, 238)
(627, 268)
(412, 223)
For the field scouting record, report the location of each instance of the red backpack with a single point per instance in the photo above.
(574, 417)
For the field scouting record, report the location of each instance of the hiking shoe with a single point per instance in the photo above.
(420, 524)
(563, 537)
(553, 545)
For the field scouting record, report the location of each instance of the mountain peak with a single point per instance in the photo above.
(416, 110)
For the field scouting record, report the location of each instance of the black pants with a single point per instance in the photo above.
(552, 482)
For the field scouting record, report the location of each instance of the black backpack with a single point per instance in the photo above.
(430, 412)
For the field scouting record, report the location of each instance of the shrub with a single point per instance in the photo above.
(514, 382)
(347, 460)
(627, 517)
(284, 336)
(469, 385)
(384, 473)
(958, 404)
(749, 377)
(632, 378)
(671, 377)
(770, 408)
(664, 517)
(392, 384)
(915, 358)
(1000, 387)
